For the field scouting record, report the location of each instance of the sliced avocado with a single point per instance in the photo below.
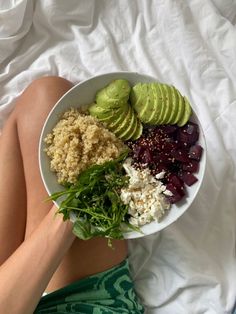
(168, 104)
(117, 120)
(181, 107)
(162, 105)
(138, 96)
(110, 103)
(118, 89)
(108, 120)
(124, 124)
(146, 112)
(138, 131)
(114, 95)
(134, 126)
(155, 103)
(175, 104)
(126, 135)
(98, 111)
(142, 100)
(187, 113)
(102, 113)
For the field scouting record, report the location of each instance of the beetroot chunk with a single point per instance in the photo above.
(180, 155)
(147, 156)
(188, 178)
(189, 133)
(191, 166)
(177, 194)
(176, 181)
(195, 152)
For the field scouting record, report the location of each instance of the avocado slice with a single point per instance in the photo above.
(187, 113)
(114, 95)
(103, 114)
(162, 105)
(145, 99)
(138, 96)
(147, 109)
(175, 104)
(124, 124)
(168, 104)
(118, 89)
(130, 127)
(117, 120)
(181, 108)
(156, 103)
(138, 131)
(135, 125)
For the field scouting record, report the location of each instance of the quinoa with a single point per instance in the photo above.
(77, 142)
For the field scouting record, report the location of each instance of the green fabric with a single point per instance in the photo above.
(108, 292)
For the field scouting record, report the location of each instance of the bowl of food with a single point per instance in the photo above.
(122, 155)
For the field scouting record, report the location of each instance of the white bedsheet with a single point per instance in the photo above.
(190, 267)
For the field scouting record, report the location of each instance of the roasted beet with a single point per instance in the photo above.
(189, 133)
(177, 194)
(188, 178)
(138, 152)
(147, 156)
(195, 152)
(176, 181)
(180, 155)
(171, 149)
(164, 158)
(169, 128)
(191, 166)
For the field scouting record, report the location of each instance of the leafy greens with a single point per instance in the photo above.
(95, 202)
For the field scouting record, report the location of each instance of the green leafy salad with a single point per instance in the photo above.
(95, 203)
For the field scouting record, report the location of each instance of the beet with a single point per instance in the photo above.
(189, 133)
(169, 128)
(147, 156)
(176, 181)
(172, 149)
(188, 178)
(191, 166)
(195, 152)
(138, 152)
(164, 158)
(177, 194)
(180, 155)
(157, 168)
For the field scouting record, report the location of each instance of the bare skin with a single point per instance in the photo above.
(35, 238)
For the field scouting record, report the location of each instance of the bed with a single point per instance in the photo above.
(190, 267)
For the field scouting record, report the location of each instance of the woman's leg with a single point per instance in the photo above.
(22, 194)
(12, 191)
(22, 135)
(31, 111)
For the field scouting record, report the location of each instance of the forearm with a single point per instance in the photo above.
(25, 275)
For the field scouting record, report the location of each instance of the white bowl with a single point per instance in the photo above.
(83, 94)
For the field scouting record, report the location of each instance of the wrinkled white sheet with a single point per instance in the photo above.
(190, 267)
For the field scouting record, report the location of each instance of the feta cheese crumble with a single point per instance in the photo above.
(145, 195)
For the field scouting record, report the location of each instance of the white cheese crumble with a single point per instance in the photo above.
(145, 195)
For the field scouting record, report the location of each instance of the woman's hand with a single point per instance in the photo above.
(26, 273)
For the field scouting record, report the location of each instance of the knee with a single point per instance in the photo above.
(48, 83)
(43, 93)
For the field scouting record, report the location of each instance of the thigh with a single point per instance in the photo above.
(22, 194)
(31, 111)
(12, 191)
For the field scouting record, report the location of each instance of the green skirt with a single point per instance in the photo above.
(108, 292)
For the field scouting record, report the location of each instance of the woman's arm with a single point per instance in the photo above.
(26, 273)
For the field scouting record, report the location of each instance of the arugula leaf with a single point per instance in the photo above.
(95, 200)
